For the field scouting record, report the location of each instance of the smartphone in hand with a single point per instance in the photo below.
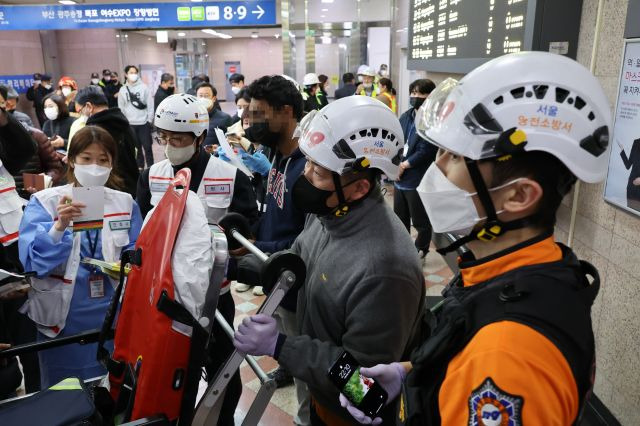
(363, 392)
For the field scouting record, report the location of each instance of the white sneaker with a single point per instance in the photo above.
(241, 288)
(257, 291)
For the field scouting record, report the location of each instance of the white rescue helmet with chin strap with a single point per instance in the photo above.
(531, 101)
(352, 134)
(521, 102)
(182, 113)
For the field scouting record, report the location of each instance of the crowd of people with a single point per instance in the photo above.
(460, 161)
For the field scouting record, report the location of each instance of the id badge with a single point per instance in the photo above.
(96, 286)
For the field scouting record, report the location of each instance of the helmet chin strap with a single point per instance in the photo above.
(343, 207)
(492, 227)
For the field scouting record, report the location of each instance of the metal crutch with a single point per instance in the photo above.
(286, 270)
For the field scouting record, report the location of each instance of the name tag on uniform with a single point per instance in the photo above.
(119, 225)
(96, 286)
(158, 186)
(218, 188)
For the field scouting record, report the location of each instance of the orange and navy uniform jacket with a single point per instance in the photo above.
(508, 365)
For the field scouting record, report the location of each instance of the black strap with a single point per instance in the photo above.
(175, 310)
(114, 367)
(481, 189)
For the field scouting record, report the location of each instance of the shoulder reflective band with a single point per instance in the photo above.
(71, 383)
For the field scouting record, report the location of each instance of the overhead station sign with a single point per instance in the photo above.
(138, 15)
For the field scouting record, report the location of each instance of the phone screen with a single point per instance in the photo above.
(357, 387)
(364, 392)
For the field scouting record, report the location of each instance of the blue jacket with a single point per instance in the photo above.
(420, 153)
(281, 223)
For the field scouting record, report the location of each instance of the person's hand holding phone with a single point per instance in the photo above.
(67, 211)
(390, 377)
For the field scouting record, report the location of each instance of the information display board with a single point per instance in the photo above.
(459, 35)
(623, 177)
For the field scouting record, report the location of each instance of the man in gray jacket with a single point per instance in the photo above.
(136, 103)
(365, 289)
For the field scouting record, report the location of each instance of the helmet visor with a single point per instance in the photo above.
(435, 110)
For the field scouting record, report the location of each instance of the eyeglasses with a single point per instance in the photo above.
(164, 138)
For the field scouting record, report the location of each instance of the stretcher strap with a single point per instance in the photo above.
(133, 257)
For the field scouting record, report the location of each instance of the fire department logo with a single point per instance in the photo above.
(491, 406)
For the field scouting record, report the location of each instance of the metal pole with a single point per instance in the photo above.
(249, 245)
(250, 360)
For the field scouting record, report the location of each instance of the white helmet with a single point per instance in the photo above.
(531, 101)
(363, 69)
(182, 113)
(353, 133)
(310, 79)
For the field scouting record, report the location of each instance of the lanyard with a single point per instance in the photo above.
(93, 243)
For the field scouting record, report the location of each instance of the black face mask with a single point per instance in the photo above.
(310, 199)
(260, 133)
(416, 102)
(171, 89)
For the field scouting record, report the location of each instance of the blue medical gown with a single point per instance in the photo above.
(39, 253)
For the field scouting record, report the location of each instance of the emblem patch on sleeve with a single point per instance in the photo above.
(491, 406)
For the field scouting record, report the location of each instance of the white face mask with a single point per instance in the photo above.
(51, 112)
(66, 91)
(94, 81)
(235, 90)
(450, 208)
(367, 85)
(91, 174)
(106, 78)
(240, 111)
(37, 81)
(47, 86)
(178, 156)
(360, 79)
(132, 77)
(207, 102)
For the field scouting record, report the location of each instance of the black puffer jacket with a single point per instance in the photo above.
(46, 160)
(114, 122)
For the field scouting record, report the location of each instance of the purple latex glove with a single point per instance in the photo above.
(390, 377)
(257, 335)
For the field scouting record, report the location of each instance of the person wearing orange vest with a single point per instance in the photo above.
(387, 96)
(512, 342)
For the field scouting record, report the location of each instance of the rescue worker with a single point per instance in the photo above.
(363, 274)
(513, 341)
(69, 297)
(313, 97)
(368, 86)
(221, 187)
(386, 95)
(182, 122)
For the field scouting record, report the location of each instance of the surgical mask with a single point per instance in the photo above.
(235, 90)
(94, 81)
(132, 77)
(450, 208)
(309, 199)
(106, 78)
(367, 85)
(207, 102)
(179, 155)
(37, 81)
(91, 174)
(47, 86)
(260, 133)
(51, 113)
(240, 111)
(416, 101)
(384, 73)
(66, 91)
